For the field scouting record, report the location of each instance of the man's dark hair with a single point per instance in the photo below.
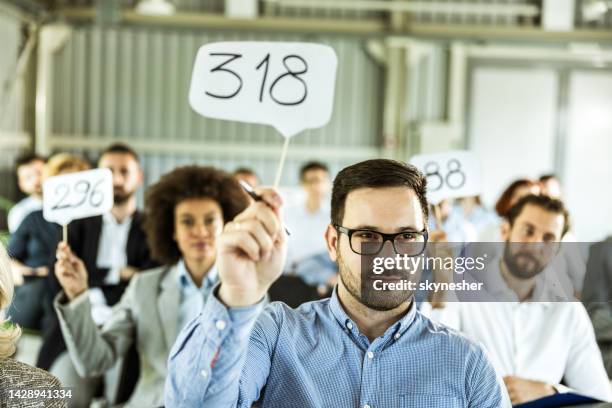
(121, 148)
(28, 158)
(184, 183)
(545, 177)
(376, 173)
(544, 202)
(312, 165)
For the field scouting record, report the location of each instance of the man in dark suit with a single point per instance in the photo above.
(597, 297)
(113, 247)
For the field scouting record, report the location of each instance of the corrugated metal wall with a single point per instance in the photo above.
(132, 83)
(427, 80)
(11, 108)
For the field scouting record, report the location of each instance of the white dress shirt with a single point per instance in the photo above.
(112, 253)
(307, 229)
(21, 210)
(543, 341)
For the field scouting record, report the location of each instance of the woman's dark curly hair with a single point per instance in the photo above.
(184, 183)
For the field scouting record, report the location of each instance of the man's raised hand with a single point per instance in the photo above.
(251, 252)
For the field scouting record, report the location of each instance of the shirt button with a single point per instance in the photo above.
(204, 373)
(397, 336)
(367, 406)
(370, 355)
(220, 324)
(349, 326)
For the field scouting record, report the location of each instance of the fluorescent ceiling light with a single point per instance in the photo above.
(155, 7)
(595, 9)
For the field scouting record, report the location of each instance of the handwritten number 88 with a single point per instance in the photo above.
(454, 179)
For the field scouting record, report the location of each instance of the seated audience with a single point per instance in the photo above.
(456, 228)
(113, 247)
(13, 374)
(597, 296)
(29, 169)
(307, 255)
(356, 349)
(535, 345)
(185, 213)
(32, 249)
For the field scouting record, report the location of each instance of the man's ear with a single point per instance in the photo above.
(331, 239)
(504, 229)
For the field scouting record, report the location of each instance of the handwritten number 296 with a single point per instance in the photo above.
(82, 188)
(265, 63)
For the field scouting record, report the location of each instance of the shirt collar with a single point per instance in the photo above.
(499, 289)
(396, 330)
(109, 218)
(185, 281)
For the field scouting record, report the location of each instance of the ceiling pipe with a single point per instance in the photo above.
(526, 10)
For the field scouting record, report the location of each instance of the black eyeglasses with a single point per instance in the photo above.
(368, 242)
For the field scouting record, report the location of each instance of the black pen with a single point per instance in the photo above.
(249, 190)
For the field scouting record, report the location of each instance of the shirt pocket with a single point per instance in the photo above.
(429, 401)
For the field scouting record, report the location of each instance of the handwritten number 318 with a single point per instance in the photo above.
(295, 74)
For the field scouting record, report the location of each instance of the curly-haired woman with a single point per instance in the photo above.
(185, 212)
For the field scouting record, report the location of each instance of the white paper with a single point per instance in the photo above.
(450, 174)
(77, 195)
(289, 86)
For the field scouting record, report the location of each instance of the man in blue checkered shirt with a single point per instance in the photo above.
(359, 348)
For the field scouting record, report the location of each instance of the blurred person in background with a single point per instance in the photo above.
(247, 175)
(514, 192)
(113, 247)
(573, 257)
(550, 185)
(539, 340)
(185, 213)
(473, 211)
(15, 375)
(307, 253)
(456, 228)
(32, 250)
(597, 296)
(29, 169)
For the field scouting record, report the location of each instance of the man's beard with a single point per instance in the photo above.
(522, 264)
(121, 197)
(381, 300)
